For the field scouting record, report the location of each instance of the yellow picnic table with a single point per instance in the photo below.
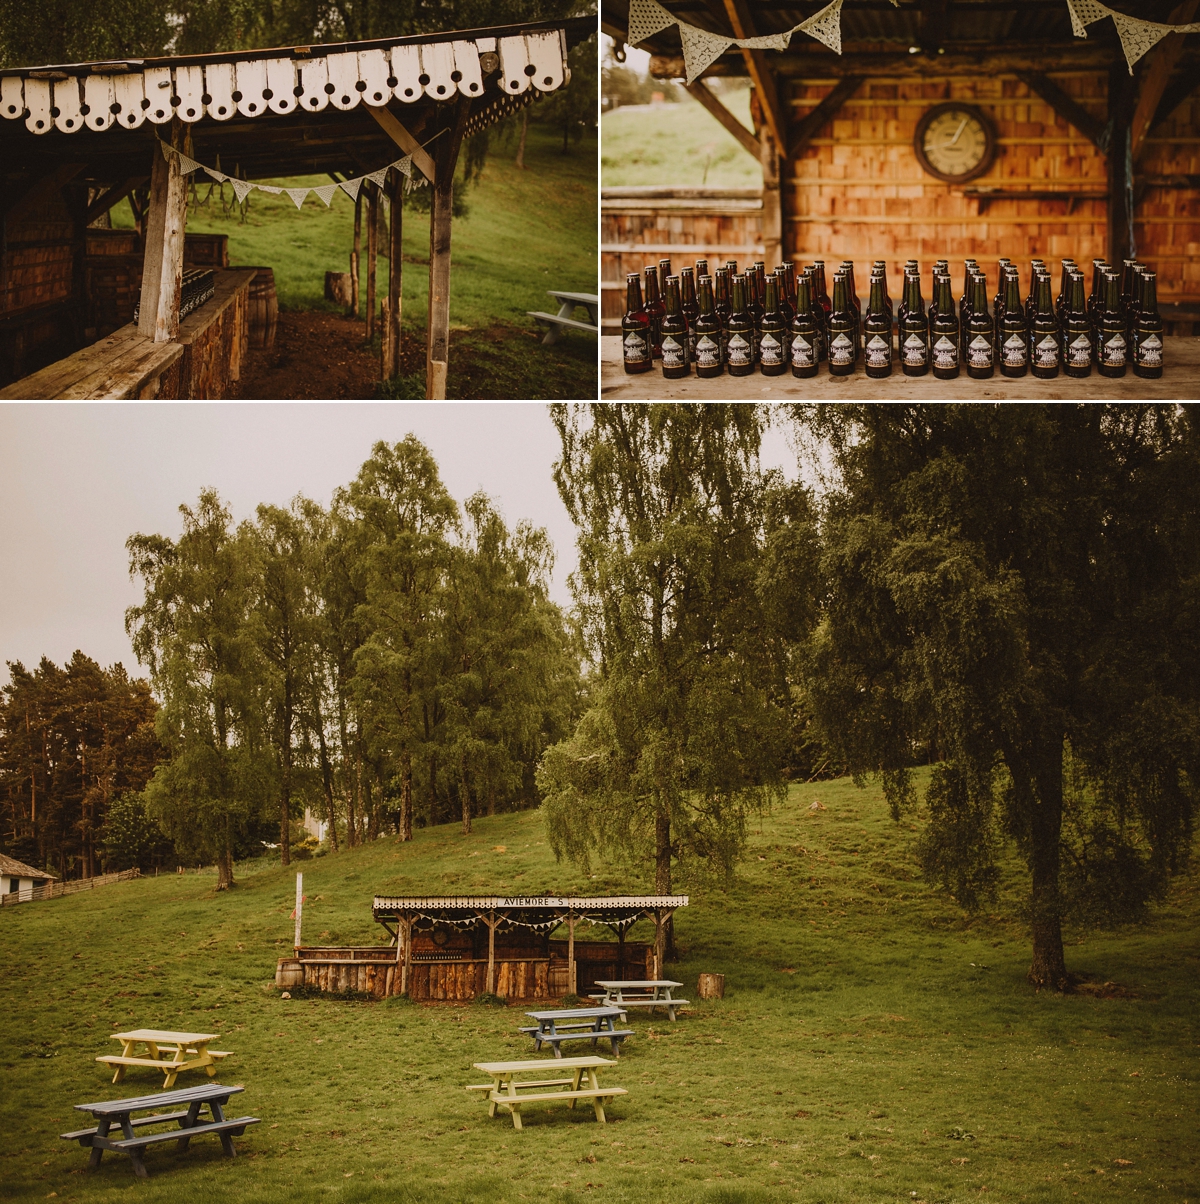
(507, 1091)
(187, 1051)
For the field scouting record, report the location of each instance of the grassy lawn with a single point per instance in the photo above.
(872, 1044)
(680, 144)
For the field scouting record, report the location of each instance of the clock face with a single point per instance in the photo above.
(954, 142)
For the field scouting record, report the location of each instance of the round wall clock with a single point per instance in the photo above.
(955, 142)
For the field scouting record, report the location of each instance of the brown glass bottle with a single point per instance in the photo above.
(1077, 343)
(1013, 339)
(655, 310)
(722, 306)
(914, 330)
(944, 334)
(1111, 345)
(1045, 342)
(772, 332)
(675, 362)
(741, 332)
(841, 329)
(701, 269)
(687, 303)
(709, 358)
(1148, 330)
(980, 349)
(805, 342)
(877, 333)
(636, 335)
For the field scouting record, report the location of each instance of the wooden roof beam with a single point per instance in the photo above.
(807, 128)
(1176, 93)
(106, 200)
(704, 95)
(1070, 110)
(391, 126)
(760, 70)
(1160, 63)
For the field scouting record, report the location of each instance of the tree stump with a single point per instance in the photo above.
(711, 986)
(337, 288)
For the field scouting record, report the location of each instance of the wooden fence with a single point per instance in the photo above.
(53, 890)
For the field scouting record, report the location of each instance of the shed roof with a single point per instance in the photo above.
(542, 913)
(13, 868)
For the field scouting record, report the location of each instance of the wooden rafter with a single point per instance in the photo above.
(1069, 109)
(705, 96)
(760, 70)
(1176, 93)
(1156, 75)
(390, 124)
(807, 128)
(104, 202)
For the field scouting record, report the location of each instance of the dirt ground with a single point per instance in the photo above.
(316, 355)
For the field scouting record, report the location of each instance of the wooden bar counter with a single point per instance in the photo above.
(203, 361)
(1180, 381)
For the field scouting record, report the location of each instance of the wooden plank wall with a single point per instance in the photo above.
(1167, 224)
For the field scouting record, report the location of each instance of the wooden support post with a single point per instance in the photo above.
(356, 253)
(299, 913)
(373, 208)
(659, 944)
(620, 953)
(162, 264)
(491, 973)
(437, 346)
(1121, 242)
(571, 979)
(391, 331)
(405, 952)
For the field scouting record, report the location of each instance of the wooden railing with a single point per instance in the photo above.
(53, 890)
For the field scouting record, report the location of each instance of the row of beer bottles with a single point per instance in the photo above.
(793, 322)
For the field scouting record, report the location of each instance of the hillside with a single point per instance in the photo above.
(872, 1045)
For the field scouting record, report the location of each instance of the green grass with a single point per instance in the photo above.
(873, 1044)
(677, 144)
(525, 231)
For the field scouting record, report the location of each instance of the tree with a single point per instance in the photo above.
(193, 631)
(1018, 588)
(686, 729)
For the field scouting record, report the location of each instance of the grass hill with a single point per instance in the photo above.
(872, 1046)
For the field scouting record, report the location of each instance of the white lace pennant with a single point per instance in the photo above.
(219, 176)
(404, 166)
(1083, 13)
(646, 18)
(826, 26)
(1138, 37)
(271, 188)
(241, 188)
(378, 177)
(326, 191)
(187, 165)
(700, 48)
(297, 194)
(768, 41)
(351, 187)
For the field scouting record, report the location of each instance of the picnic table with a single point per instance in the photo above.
(188, 1051)
(118, 1113)
(507, 1091)
(640, 993)
(564, 319)
(577, 1024)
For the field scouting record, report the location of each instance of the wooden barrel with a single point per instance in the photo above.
(289, 973)
(264, 309)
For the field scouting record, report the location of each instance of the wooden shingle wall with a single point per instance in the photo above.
(1168, 218)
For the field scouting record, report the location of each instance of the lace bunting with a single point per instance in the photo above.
(646, 18)
(1083, 13)
(1138, 37)
(700, 48)
(826, 26)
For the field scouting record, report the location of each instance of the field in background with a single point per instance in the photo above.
(676, 144)
(873, 1045)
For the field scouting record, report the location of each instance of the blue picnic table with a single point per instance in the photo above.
(577, 1024)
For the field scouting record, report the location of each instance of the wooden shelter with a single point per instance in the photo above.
(1087, 161)
(76, 139)
(457, 947)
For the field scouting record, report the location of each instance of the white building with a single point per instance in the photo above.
(20, 879)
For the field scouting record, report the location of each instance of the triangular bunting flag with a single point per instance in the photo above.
(166, 150)
(351, 187)
(186, 165)
(378, 176)
(271, 188)
(769, 41)
(241, 189)
(1138, 37)
(700, 48)
(297, 195)
(1083, 13)
(404, 166)
(826, 26)
(219, 176)
(326, 191)
(646, 18)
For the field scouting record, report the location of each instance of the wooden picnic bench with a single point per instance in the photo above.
(118, 1113)
(577, 1024)
(507, 1091)
(640, 993)
(188, 1051)
(563, 320)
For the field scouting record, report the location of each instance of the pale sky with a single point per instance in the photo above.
(77, 480)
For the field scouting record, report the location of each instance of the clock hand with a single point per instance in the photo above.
(962, 126)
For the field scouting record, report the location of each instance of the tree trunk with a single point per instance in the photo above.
(356, 253)
(225, 860)
(521, 144)
(285, 793)
(406, 800)
(374, 811)
(662, 868)
(326, 781)
(1048, 968)
(465, 798)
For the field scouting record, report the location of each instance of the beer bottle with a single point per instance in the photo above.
(722, 306)
(1148, 330)
(687, 303)
(1014, 330)
(1064, 294)
(741, 332)
(880, 274)
(847, 269)
(731, 268)
(664, 270)
(841, 329)
(636, 336)
(709, 358)
(877, 333)
(754, 305)
(1001, 285)
(675, 364)
(790, 267)
(701, 269)
(1095, 304)
(1111, 343)
(1045, 338)
(944, 334)
(820, 347)
(786, 305)
(655, 310)
(1035, 267)
(820, 295)
(772, 332)
(805, 332)
(1077, 345)
(980, 351)
(970, 266)
(914, 330)
(1129, 296)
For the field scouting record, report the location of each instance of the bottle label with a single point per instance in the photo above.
(1079, 351)
(1016, 352)
(1114, 351)
(770, 350)
(1149, 351)
(636, 350)
(914, 351)
(674, 355)
(841, 350)
(945, 353)
(879, 352)
(802, 352)
(1046, 352)
(739, 351)
(708, 353)
(980, 351)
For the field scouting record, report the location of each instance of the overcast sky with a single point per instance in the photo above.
(77, 480)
